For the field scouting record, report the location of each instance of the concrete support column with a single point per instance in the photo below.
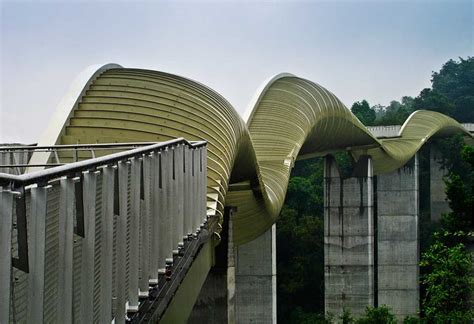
(397, 240)
(255, 280)
(348, 238)
(438, 203)
(215, 303)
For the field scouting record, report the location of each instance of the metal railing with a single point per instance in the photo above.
(84, 241)
(14, 159)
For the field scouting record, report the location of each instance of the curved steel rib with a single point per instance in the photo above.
(249, 163)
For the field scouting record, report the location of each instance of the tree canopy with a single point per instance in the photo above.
(451, 93)
(363, 111)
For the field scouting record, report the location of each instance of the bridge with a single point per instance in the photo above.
(150, 199)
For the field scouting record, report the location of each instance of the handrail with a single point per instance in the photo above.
(147, 206)
(70, 168)
(32, 147)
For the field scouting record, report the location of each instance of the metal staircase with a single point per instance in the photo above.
(97, 235)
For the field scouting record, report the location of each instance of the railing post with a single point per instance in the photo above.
(178, 199)
(155, 189)
(196, 216)
(35, 307)
(133, 290)
(166, 222)
(107, 244)
(203, 183)
(6, 215)
(89, 189)
(163, 231)
(188, 212)
(121, 241)
(65, 244)
(145, 227)
(172, 201)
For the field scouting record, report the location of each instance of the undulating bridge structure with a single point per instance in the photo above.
(150, 199)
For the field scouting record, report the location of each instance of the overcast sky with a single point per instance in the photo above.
(374, 50)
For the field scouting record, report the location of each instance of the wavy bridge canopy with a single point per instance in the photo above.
(249, 162)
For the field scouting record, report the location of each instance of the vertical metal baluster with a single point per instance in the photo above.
(65, 244)
(89, 190)
(6, 214)
(56, 156)
(121, 241)
(144, 228)
(134, 235)
(178, 197)
(192, 194)
(173, 202)
(187, 192)
(15, 162)
(2, 162)
(153, 270)
(200, 191)
(37, 232)
(166, 183)
(202, 184)
(162, 214)
(106, 257)
(205, 181)
(196, 216)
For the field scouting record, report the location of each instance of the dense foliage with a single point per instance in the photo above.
(446, 265)
(363, 111)
(300, 246)
(447, 281)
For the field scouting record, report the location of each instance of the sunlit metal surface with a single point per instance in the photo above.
(289, 117)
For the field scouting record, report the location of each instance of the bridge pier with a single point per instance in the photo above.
(255, 280)
(348, 238)
(397, 242)
(438, 203)
(214, 303)
(371, 239)
(241, 286)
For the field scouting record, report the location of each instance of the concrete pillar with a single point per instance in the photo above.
(255, 280)
(215, 303)
(348, 238)
(397, 242)
(438, 203)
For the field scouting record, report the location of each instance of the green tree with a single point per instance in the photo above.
(430, 99)
(458, 160)
(446, 265)
(363, 111)
(397, 112)
(455, 81)
(300, 246)
(448, 281)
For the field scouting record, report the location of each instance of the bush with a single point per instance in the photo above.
(412, 320)
(377, 315)
(346, 317)
(448, 281)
